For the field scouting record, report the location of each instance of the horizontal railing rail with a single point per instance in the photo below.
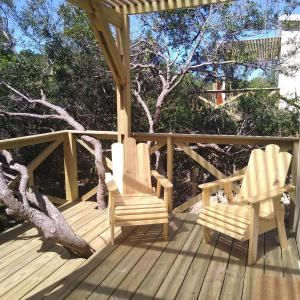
(181, 142)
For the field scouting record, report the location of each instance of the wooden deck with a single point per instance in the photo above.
(140, 266)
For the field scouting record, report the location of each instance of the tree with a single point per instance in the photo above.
(30, 72)
(203, 42)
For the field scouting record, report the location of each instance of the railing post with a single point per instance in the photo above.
(295, 180)
(170, 158)
(31, 178)
(70, 167)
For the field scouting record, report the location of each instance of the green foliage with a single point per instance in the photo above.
(265, 117)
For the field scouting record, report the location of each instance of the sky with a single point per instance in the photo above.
(135, 25)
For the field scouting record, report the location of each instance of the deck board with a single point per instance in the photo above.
(141, 265)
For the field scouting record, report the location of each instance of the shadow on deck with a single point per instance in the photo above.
(141, 265)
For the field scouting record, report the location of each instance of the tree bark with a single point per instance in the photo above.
(36, 208)
(62, 114)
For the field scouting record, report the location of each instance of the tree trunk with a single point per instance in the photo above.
(36, 208)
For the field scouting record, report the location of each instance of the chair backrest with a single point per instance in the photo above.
(131, 167)
(266, 170)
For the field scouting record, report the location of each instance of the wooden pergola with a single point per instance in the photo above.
(103, 14)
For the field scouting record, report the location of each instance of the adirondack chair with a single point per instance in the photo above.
(132, 200)
(257, 207)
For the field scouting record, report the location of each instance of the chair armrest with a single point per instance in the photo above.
(221, 181)
(162, 180)
(268, 195)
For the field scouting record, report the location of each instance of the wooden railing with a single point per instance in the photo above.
(69, 138)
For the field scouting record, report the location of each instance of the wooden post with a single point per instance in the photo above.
(31, 178)
(294, 202)
(123, 92)
(70, 166)
(253, 234)
(170, 157)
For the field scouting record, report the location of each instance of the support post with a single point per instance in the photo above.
(31, 178)
(294, 202)
(123, 92)
(293, 195)
(70, 167)
(170, 157)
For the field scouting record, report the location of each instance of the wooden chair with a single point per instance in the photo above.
(257, 207)
(132, 200)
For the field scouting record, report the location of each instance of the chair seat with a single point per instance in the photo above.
(230, 219)
(138, 209)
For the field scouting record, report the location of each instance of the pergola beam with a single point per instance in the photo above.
(163, 5)
(241, 90)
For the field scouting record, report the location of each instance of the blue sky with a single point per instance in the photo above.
(135, 25)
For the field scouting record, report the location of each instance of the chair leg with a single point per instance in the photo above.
(252, 250)
(112, 234)
(165, 231)
(253, 235)
(279, 216)
(207, 234)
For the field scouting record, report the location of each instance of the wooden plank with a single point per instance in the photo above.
(233, 282)
(111, 282)
(17, 240)
(187, 204)
(119, 209)
(106, 160)
(133, 279)
(109, 47)
(152, 210)
(156, 147)
(29, 251)
(142, 222)
(290, 258)
(237, 227)
(22, 258)
(143, 168)
(162, 5)
(195, 276)
(170, 158)
(131, 184)
(201, 161)
(217, 139)
(60, 257)
(110, 14)
(43, 155)
(89, 194)
(117, 150)
(221, 229)
(59, 284)
(214, 278)
(124, 93)
(101, 40)
(235, 212)
(154, 278)
(70, 167)
(106, 267)
(293, 213)
(56, 200)
(173, 281)
(225, 219)
(252, 272)
(273, 263)
(30, 140)
(137, 217)
(276, 288)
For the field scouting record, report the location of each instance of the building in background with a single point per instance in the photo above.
(290, 54)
